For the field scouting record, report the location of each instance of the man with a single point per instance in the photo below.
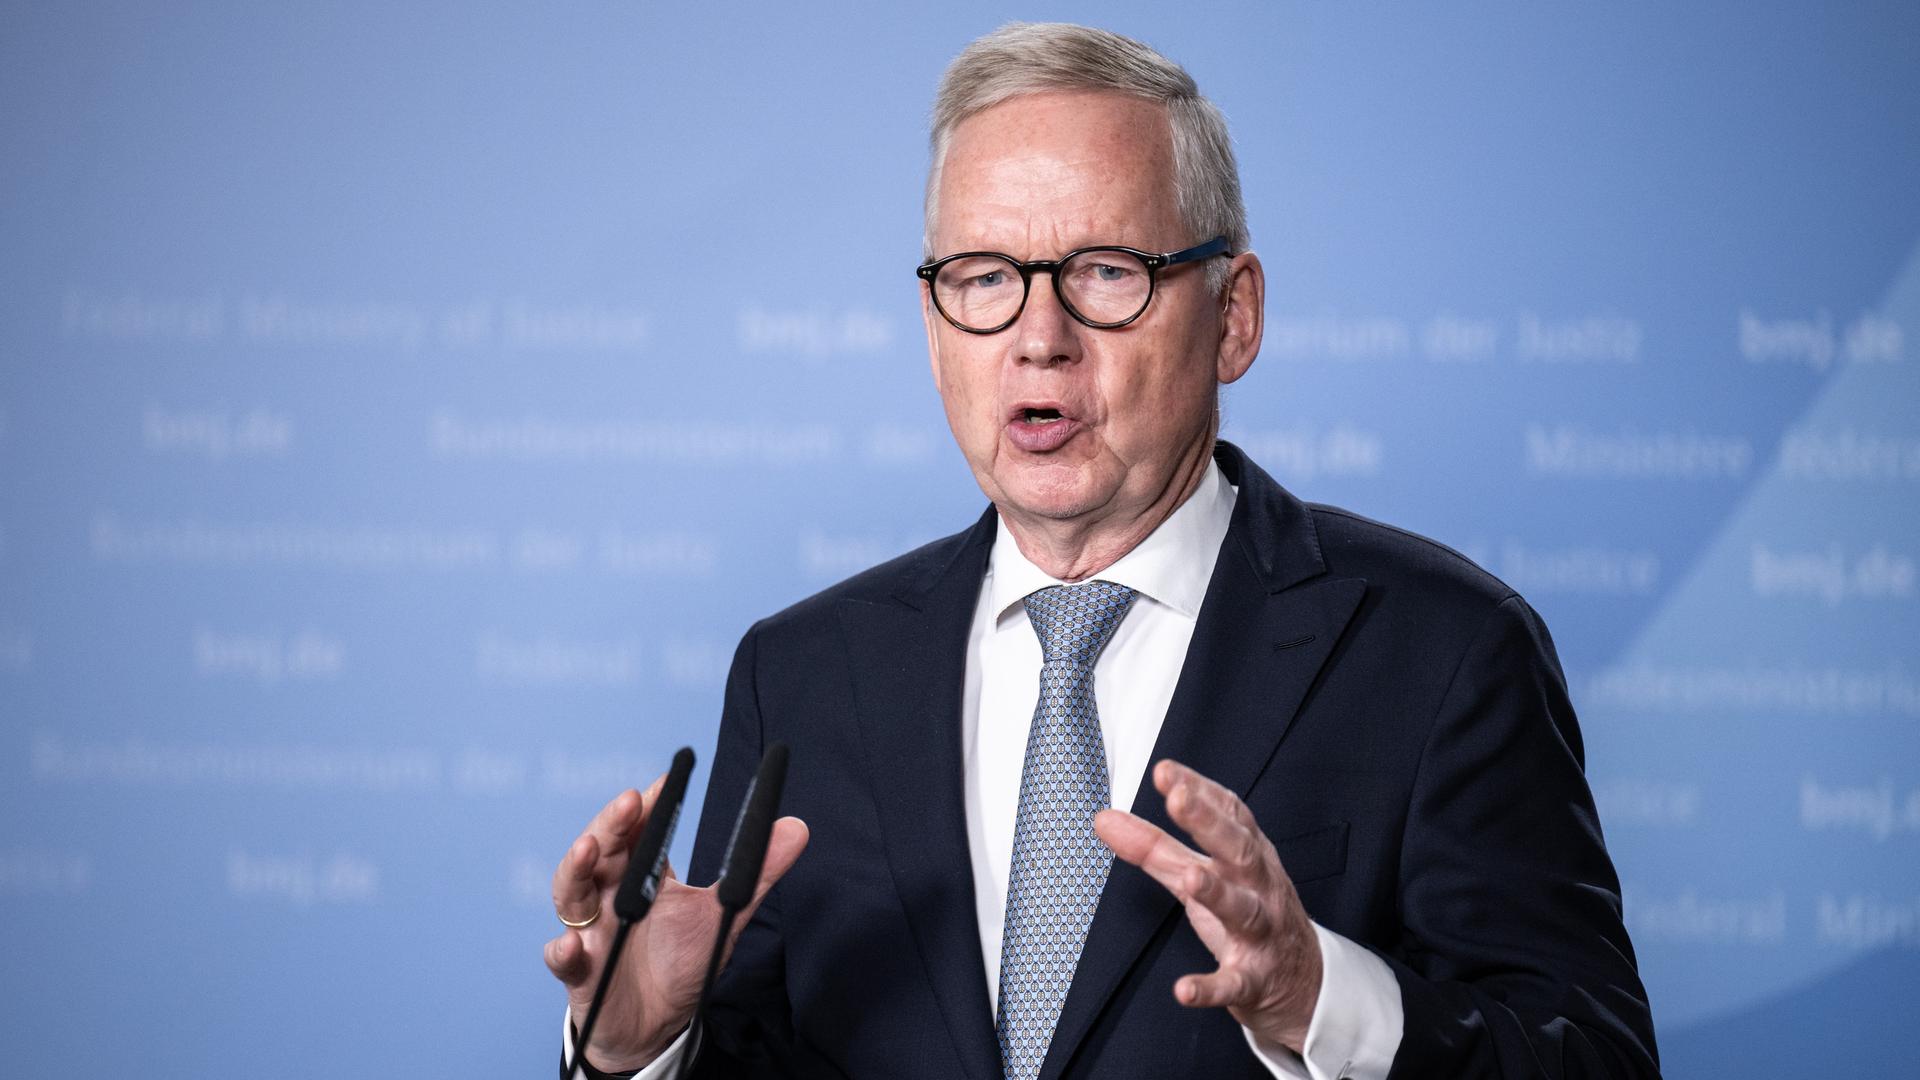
(1364, 846)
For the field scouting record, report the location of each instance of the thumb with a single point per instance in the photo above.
(784, 845)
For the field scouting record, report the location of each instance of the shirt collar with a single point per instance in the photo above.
(1171, 566)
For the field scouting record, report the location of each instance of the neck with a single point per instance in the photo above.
(1074, 550)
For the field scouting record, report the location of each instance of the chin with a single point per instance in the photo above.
(1060, 493)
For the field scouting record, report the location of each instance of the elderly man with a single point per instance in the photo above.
(1360, 843)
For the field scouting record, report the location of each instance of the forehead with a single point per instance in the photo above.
(1040, 173)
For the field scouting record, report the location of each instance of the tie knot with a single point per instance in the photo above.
(1074, 622)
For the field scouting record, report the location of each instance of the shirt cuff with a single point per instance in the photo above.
(1357, 1022)
(659, 1068)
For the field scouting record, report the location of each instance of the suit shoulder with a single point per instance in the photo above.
(1403, 561)
(876, 584)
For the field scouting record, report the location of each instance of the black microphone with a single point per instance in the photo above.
(747, 850)
(739, 873)
(646, 865)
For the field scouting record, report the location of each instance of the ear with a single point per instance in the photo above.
(1242, 317)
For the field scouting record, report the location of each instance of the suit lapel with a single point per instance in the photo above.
(1264, 632)
(908, 658)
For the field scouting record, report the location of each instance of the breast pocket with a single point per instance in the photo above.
(1310, 856)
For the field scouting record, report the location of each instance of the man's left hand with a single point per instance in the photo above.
(1239, 899)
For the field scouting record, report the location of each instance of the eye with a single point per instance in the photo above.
(976, 274)
(1105, 269)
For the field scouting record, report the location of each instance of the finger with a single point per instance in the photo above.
(566, 957)
(1219, 989)
(618, 824)
(784, 845)
(1131, 837)
(1148, 847)
(1238, 907)
(611, 831)
(616, 828)
(576, 890)
(1215, 817)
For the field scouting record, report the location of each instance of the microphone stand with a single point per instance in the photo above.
(746, 855)
(638, 886)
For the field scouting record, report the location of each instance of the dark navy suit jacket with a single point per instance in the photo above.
(1395, 717)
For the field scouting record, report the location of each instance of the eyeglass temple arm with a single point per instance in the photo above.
(1215, 246)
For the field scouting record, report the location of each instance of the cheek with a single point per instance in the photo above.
(968, 392)
(1149, 405)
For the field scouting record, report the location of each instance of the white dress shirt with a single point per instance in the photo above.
(1357, 1024)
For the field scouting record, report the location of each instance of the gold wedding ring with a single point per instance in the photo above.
(582, 924)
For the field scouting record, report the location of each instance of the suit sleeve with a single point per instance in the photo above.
(1514, 960)
(749, 1031)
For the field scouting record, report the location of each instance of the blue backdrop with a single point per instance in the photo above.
(402, 413)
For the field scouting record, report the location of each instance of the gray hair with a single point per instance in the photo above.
(1025, 58)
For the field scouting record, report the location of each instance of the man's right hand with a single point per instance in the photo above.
(654, 992)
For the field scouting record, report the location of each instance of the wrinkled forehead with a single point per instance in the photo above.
(1057, 168)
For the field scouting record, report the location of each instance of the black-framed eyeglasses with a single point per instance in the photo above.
(1106, 287)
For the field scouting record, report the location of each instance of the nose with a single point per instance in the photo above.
(1045, 334)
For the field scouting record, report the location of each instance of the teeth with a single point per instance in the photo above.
(1034, 417)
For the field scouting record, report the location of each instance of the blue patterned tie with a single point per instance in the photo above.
(1059, 865)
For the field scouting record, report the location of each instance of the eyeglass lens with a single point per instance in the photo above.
(982, 292)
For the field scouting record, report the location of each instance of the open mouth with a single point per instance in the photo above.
(1040, 428)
